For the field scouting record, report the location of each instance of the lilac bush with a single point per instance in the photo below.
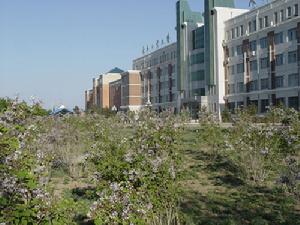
(137, 175)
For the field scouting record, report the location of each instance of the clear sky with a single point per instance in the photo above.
(53, 48)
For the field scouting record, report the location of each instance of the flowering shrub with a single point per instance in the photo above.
(263, 152)
(137, 176)
(22, 198)
(130, 164)
(24, 170)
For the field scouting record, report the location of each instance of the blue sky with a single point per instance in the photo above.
(53, 48)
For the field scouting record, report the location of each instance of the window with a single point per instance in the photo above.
(264, 84)
(293, 80)
(197, 58)
(281, 15)
(294, 102)
(231, 89)
(279, 59)
(296, 10)
(232, 34)
(240, 87)
(237, 32)
(276, 17)
(289, 11)
(292, 57)
(240, 68)
(231, 70)
(199, 92)
(264, 63)
(242, 30)
(198, 75)
(292, 34)
(198, 38)
(266, 21)
(260, 23)
(227, 35)
(253, 85)
(264, 103)
(239, 50)
(253, 65)
(263, 43)
(231, 52)
(231, 106)
(278, 38)
(279, 82)
(250, 27)
(253, 46)
(254, 25)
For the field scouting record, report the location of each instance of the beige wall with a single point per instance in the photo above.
(105, 96)
(104, 81)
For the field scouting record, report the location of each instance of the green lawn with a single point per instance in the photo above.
(213, 193)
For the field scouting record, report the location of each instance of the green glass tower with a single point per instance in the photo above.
(209, 36)
(184, 16)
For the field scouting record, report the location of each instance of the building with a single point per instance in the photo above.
(104, 81)
(89, 102)
(158, 77)
(131, 91)
(262, 57)
(99, 96)
(115, 94)
(215, 73)
(190, 58)
(223, 58)
(228, 58)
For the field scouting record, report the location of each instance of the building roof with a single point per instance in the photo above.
(61, 110)
(116, 70)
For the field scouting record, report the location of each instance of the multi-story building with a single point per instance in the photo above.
(88, 99)
(99, 96)
(158, 77)
(131, 94)
(190, 66)
(104, 81)
(115, 94)
(262, 56)
(223, 57)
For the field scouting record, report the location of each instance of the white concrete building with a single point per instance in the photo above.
(262, 56)
(215, 95)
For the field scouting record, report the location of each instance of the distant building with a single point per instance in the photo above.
(61, 110)
(115, 94)
(89, 102)
(99, 96)
(104, 81)
(131, 94)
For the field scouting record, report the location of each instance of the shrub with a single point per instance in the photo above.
(137, 177)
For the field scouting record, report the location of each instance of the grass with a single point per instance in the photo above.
(216, 195)
(212, 191)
